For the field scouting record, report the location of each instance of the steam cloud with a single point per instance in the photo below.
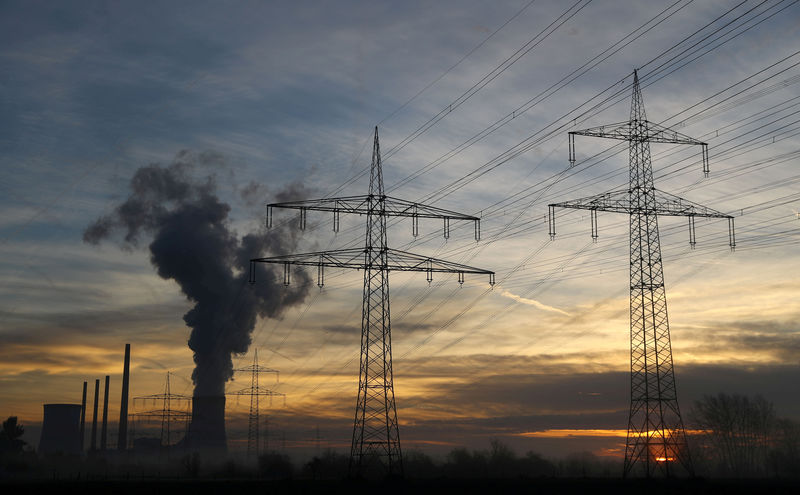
(191, 242)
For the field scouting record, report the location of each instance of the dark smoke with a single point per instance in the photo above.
(191, 242)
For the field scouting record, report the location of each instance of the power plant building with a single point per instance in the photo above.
(61, 429)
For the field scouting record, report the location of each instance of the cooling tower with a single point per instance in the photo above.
(61, 429)
(207, 429)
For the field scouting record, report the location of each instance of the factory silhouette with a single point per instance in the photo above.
(64, 426)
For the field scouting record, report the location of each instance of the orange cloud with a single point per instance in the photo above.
(573, 433)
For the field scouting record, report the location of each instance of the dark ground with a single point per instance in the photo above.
(558, 486)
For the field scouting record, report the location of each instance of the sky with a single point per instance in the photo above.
(256, 102)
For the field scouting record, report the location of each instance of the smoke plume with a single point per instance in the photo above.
(191, 242)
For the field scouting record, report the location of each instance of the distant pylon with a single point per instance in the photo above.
(165, 419)
(255, 391)
(376, 436)
(166, 415)
(656, 435)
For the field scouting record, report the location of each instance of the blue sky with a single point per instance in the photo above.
(286, 94)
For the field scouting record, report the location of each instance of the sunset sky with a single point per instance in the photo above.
(269, 101)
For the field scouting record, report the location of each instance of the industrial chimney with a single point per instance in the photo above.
(83, 416)
(207, 429)
(94, 416)
(122, 442)
(104, 429)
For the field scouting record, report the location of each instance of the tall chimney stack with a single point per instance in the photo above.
(83, 416)
(104, 430)
(94, 415)
(122, 442)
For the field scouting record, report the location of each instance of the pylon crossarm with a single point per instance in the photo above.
(657, 133)
(410, 262)
(258, 391)
(618, 130)
(363, 205)
(401, 207)
(619, 202)
(642, 130)
(638, 130)
(396, 260)
(360, 205)
(340, 258)
(159, 413)
(163, 397)
(671, 205)
(348, 204)
(256, 369)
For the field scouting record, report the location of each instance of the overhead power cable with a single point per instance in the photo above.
(493, 74)
(450, 69)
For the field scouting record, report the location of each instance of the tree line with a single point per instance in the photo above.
(730, 436)
(740, 436)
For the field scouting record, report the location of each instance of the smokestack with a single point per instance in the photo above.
(104, 430)
(94, 415)
(83, 416)
(188, 232)
(122, 441)
(207, 429)
(60, 429)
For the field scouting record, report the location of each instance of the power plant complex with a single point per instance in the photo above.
(64, 425)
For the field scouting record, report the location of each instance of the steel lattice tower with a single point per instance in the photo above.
(167, 415)
(656, 435)
(376, 437)
(255, 392)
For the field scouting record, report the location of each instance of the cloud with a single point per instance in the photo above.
(290, 94)
(775, 341)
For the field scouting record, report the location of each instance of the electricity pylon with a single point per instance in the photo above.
(255, 392)
(166, 414)
(656, 435)
(376, 437)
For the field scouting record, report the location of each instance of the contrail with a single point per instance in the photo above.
(532, 302)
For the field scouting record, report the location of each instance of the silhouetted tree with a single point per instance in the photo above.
(502, 460)
(461, 463)
(785, 455)
(579, 464)
(10, 440)
(499, 462)
(330, 465)
(275, 466)
(536, 466)
(737, 434)
(419, 465)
